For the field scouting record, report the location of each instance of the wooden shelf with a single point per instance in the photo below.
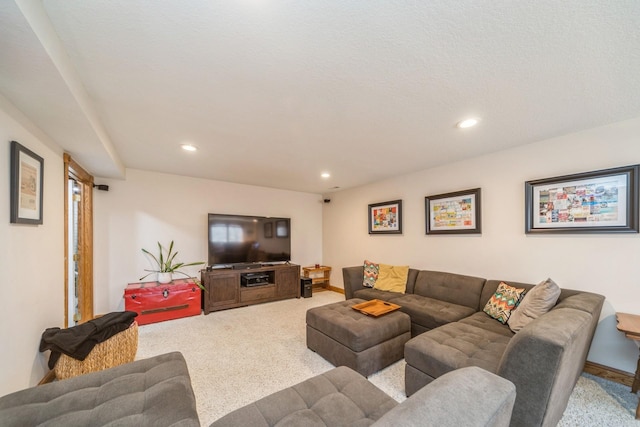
(319, 275)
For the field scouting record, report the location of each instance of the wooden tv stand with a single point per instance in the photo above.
(224, 286)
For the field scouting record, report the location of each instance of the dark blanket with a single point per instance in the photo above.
(78, 341)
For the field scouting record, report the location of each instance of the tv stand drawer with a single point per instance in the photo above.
(257, 293)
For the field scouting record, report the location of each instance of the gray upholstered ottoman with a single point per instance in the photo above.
(346, 337)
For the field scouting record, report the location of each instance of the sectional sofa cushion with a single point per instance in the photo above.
(372, 293)
(540, 299)
(392, 278)
(449, 287)
(337, 397)
(453, 346)
(431, 313)
(481, 320)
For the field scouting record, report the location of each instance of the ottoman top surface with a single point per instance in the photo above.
(354, 329)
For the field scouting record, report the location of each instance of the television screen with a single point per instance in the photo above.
(237, 239)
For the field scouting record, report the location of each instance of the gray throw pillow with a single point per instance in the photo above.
(540, 299)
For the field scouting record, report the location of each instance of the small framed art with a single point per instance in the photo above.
(385, 217)
(603, 201)
(26, 185)
(453, 213)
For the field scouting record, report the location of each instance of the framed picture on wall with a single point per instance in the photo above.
(26, 185)
(385, 217)
(603, 201)
(453, 213)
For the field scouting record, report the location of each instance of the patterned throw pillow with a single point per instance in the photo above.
(371, 270)
(503, 302)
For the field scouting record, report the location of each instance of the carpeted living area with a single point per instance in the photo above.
(240, 355)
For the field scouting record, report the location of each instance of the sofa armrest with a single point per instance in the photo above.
(465, 397)
(544, 360)
(352, 279)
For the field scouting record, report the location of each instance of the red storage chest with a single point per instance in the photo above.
(155, 302)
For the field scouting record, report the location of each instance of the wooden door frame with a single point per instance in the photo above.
(73, 170)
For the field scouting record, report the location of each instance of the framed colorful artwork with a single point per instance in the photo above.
(385, 217)
(603, 201)
(453, 213)
(26, 184)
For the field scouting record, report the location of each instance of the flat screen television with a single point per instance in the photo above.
(237, 239)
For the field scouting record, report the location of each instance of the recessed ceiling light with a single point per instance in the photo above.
(189, 147)
(467, 123)
(325, 174)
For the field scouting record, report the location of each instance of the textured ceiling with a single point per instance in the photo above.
(274, 92)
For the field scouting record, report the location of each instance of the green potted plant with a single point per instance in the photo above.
(167, 266)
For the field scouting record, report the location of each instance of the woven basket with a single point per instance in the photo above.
(117, 350)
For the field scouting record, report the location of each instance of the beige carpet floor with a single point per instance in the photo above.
(240, 355)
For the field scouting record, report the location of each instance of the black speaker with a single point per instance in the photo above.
(306, 287)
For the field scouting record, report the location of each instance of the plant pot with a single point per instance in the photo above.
(164, 277)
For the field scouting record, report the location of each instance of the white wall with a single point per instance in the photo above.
(31, 260)
(149, 207)
(606, 264)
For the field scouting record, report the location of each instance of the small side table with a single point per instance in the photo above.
(630, 325)
(318, 275)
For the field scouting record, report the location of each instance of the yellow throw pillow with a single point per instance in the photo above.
(392, 278)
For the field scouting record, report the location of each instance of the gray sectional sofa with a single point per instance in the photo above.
(450, 331)
(150, 392)
(342, 397)
(157, 392)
